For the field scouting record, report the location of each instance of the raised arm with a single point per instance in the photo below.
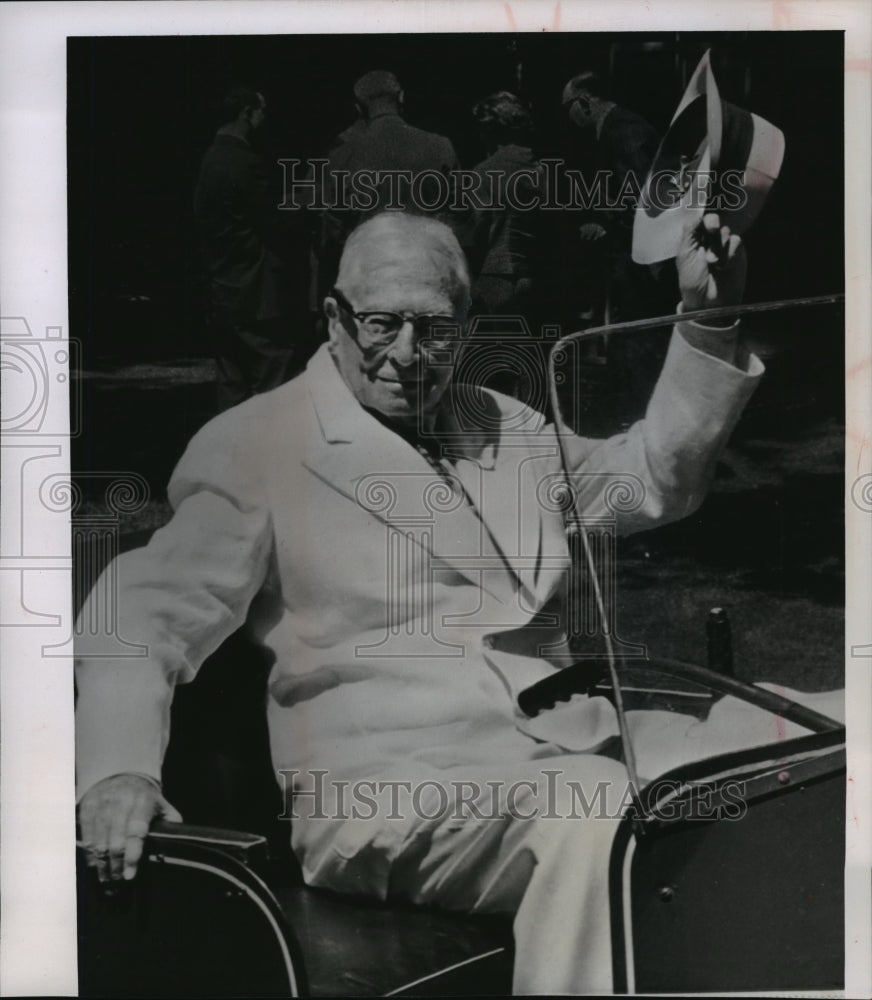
(667, 460)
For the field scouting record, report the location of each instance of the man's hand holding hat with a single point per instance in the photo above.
(712, 265)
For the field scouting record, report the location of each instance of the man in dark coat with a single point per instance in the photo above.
(625, 148)
(247, 280)
(382, 142)
(503, 252)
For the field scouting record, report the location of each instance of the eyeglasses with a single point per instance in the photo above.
(380, 328)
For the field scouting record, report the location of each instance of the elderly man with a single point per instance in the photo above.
(385, 533)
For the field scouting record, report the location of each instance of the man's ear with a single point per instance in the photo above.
(333, 317)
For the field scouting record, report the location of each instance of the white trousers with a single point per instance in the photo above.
(545, 860)
(530, 838)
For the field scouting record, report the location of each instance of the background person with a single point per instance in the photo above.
(624, 147)
(383, 141)
(504, 246)
(248, 282)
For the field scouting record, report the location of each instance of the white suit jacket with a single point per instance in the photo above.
(404, 611)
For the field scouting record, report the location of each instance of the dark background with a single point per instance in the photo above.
(141, 112)
(767, 542)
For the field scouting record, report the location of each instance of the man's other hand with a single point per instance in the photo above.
(114, 817)
(711, 266)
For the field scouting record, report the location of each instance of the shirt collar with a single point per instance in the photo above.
(232, 137)
(385, 114)
(342, 419)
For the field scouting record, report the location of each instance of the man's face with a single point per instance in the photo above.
(402, 381)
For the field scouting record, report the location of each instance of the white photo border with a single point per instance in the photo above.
(37, 871)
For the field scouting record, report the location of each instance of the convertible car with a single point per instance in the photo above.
(710, 891)
(725, 875)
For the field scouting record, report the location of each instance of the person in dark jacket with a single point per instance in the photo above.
(625, 147)
(382, 143)
(503, 251)
(247, 280)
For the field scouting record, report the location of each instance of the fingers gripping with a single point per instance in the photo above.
(135, 833)
(711, 264)
(715, 239)
(115, 817)
(139, 820)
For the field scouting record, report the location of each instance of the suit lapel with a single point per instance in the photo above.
(387, 477)
(504, 488)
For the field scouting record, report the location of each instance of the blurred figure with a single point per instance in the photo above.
(503, 250)
(317, 250)
(501, 240)
(248, 282)
(625, 146)
(380, 141)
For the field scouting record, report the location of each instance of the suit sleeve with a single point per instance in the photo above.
(173, 602)
(661, 468)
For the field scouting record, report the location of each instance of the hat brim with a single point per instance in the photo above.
(724, 136)
(658, 224)
(759, 174)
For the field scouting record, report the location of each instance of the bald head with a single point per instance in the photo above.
(398, 242)
(585, 101)
(587, 82)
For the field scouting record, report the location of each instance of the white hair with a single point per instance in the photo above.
(402, 235)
